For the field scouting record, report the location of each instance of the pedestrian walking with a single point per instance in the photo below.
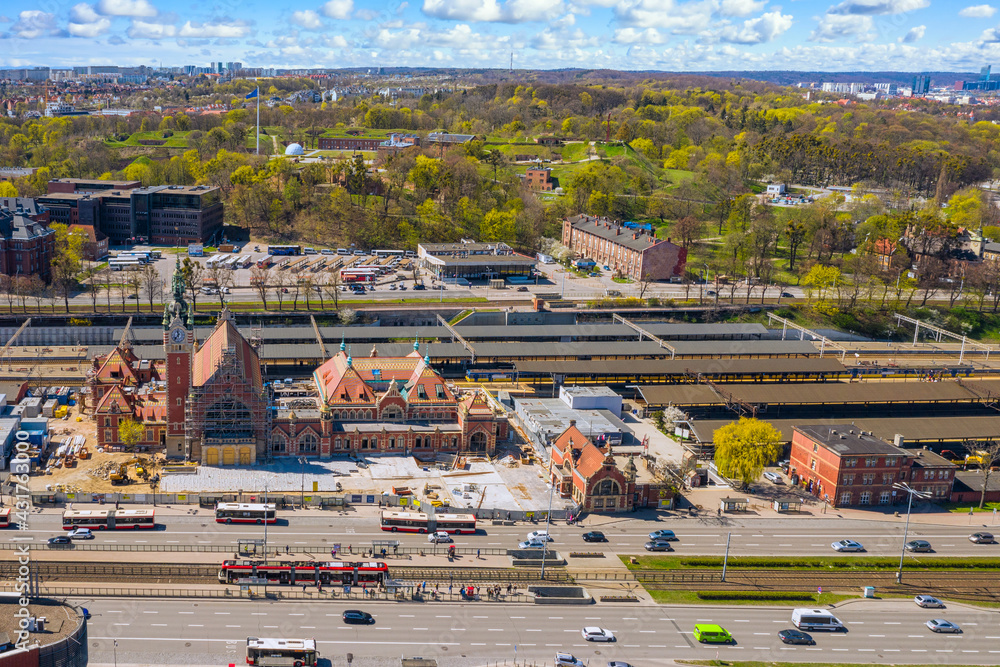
(303, 588)
(477, 553)
(287, 549)
(449, 589)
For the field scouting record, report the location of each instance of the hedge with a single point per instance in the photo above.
(755, 595)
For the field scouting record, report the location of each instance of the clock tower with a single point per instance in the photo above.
(178, 344)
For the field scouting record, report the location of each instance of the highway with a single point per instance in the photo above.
(205, 632)
(697, 536)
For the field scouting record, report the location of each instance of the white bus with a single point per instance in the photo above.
(245, 513)
(246, 261)
(815, 619)
(281, 652)
(117, 264)
(382, 254)
(214, 259)
(140, 255)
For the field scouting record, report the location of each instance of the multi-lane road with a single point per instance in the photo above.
(701, 536)
(204, 633)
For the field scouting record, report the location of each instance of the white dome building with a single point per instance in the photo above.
(294, 149)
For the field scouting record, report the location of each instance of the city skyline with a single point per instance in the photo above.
(680, 35)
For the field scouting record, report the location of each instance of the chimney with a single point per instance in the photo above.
(898, 440)
(572, 422)
(618, 231)
(634, 236)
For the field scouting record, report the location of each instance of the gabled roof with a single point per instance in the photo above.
(226, 342)
(591, 461)
(114, 402)
(571, 434)
(118, 360)
(343, 378)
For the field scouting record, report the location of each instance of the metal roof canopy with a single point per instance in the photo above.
(642, 332)
(457, 336)
(785, 324)
(10, 343)
(941, 332)
(710, 366)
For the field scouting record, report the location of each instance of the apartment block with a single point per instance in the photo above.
(26, 246)
(634, 253)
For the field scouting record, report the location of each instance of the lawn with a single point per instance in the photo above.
(177, 140)
(963, 508)
(574, 152)
(808, 563)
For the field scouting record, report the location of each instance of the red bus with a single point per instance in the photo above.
(5, 517)
(358, 275)
(418, 522)
(245, 513)
(266, 652)
(304, 572)
(264, 262)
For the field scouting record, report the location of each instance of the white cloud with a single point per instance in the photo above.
(913, 34)
(878, 7)
(132, 8)
(512, 11)
(216, 29)
(92, 29)
(564, 21)
(838, 27)
(337, 42)
(34, 23)
(338, 9)
(759, 30)
(83, 13)
(307, 19)
(147, 30)
(634, 36)
(689, 18)
(741, 7)
(978, 12)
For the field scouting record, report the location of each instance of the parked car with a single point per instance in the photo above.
(439, 536)
(982, 538)
(848, 545)
(522, 288)
(928, 602)
(658, 545)
(773, 477)
(918, 545)
(80, 534)
(419, 286)
(941, 625)
(662, 535)
(594, 536)
(793, 636)
(356, 616)
(595, 634)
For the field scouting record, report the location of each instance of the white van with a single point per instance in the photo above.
(816, 619)
(343, 251)
(309, 251)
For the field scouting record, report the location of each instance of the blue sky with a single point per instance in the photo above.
(621, 34)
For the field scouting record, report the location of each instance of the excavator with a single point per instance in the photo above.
(119, 477)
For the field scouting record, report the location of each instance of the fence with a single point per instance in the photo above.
(272, 550)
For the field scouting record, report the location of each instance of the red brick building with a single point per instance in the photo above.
(847, 467)
(540, 178)
(597, 481)
(636, 254)
(95, 242)
(26, 246)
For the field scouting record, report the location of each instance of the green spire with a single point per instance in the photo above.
(343, 344)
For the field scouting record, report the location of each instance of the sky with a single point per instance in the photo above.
(675, 35)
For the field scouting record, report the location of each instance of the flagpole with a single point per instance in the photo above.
(258, 115)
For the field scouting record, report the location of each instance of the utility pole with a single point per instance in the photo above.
(725, 561)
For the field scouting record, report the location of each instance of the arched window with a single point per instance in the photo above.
(392, 413)
(308, 443)
(336, 415)
(607, 487)
(279, 443)
(368, 415)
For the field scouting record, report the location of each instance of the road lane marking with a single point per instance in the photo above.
(158, 625)
(196, 626)
(232, 626)
(120, 624)
(151, 612)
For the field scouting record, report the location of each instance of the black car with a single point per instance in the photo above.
(60, 539)
(419, 286)
(793, 636)
(359, 617)
(594, 536)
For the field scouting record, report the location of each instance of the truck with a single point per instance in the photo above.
(584, 263)
(227, 247)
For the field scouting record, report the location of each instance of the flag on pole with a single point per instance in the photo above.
(253, 94)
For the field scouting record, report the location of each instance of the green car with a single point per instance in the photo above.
(712, 634)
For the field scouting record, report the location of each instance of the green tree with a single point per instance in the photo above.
(744, 448)
(66, 260)
(499, 226)
(822, 277)
(7, 189)
(795, 232)
(130, 433)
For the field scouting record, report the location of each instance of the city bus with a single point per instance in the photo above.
(117, 264)
(140, 255)
(264, 262)
(284, 250)
(109, 519)
(214, 259)
(382, 254)
(282, 652)
(5, 517)
(358, 275)
(335, 573)
(245, 513)
(418, 522)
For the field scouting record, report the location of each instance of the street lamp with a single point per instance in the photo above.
(910, 491)
(302, 502)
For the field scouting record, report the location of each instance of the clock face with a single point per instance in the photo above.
(177, 336)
